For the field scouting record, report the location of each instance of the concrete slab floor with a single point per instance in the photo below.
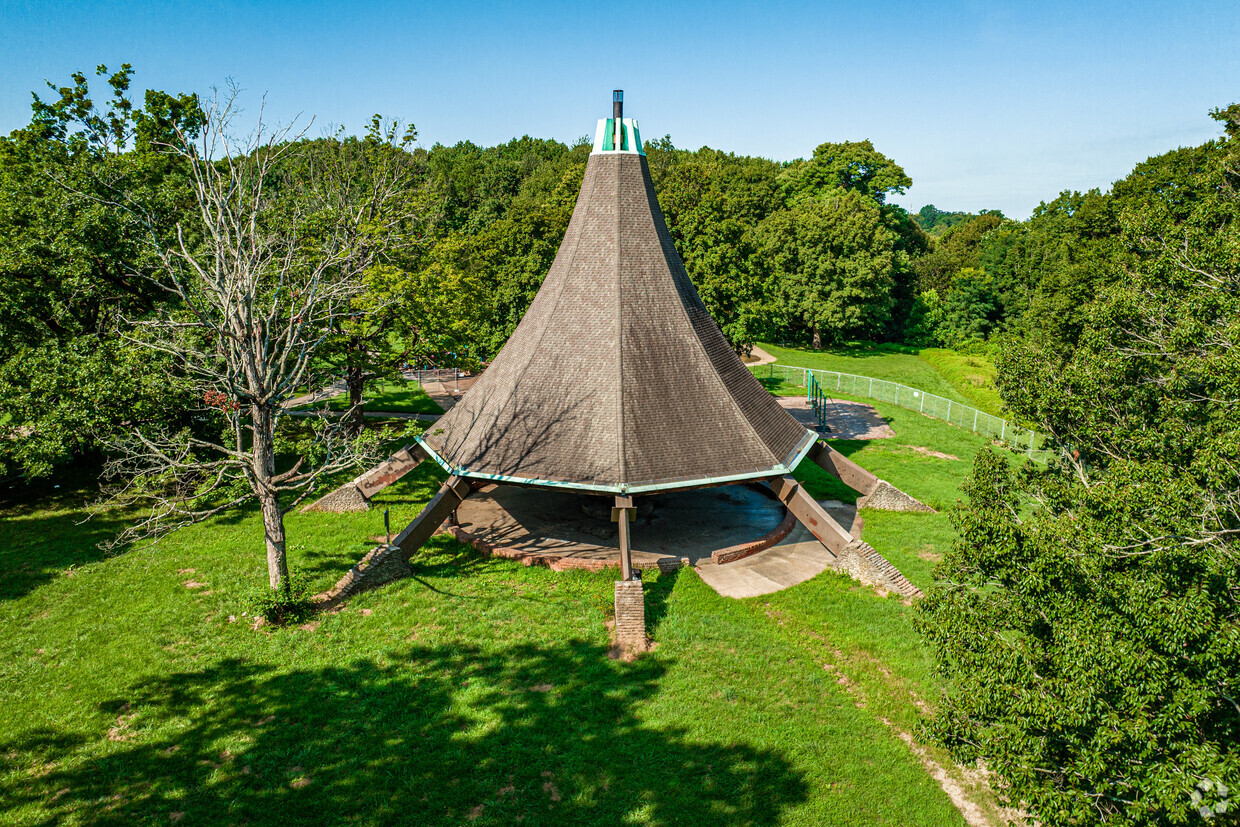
(671, 527)
(792, 560)
(675, 525)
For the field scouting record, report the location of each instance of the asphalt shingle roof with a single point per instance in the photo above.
(617, 377)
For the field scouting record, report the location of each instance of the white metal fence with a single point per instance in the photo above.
(867, 387)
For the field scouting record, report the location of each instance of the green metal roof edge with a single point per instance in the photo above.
(781, 469)
(802, 450)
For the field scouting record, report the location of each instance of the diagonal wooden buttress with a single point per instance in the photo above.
(875, 492)
(863, 562)
(355, 495)
(811, 515)
(840, 466)
(450, 495)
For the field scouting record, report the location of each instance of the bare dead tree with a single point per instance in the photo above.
(258, 283)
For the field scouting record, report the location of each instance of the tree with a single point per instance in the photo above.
(381, 186)
(712, 201)
(936, 222)
(829, 260)
(855, 166)
(970, 311)
(1088, 618)
(259, 280)
(957, 250)
(72, 264)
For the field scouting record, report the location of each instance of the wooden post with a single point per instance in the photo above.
(842, 468)
(621, 513)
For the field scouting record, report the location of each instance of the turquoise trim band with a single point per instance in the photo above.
(699, 482)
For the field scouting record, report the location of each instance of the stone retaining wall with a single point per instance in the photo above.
(863, 563)
(381, 565)
(343, 499)
(884, 496)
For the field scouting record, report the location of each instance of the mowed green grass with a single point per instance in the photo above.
(391, 397)
(968, 379)
(479, 691)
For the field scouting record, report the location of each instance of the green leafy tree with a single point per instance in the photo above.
(935, 222)
(855, 166)
(73, 264)
(1088, 618)
(829, 262)
(380, 195)
(970, 311)
(957, 250)
(712, 202)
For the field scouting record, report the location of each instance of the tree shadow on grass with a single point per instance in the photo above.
(657, 593)
(44, 530)
(536, 734)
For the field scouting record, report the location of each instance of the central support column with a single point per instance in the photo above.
(630, 603)
(621, 513)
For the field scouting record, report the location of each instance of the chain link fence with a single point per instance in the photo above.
(820, 384)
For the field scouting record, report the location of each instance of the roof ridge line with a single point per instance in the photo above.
(623, 463)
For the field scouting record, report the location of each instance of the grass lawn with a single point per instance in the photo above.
(972, 374)
(968, 379)
(391, 397)
(478, 691)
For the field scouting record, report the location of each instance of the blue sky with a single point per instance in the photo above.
(984, 104)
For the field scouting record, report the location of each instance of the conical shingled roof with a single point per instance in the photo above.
(617, 379)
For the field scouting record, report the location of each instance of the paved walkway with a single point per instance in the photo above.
(444, 392)
(845, 419)
(759, 357)
(793, 560)
(420, 417)
(334, 389)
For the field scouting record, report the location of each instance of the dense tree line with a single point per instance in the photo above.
(1088, 617)
(806, 251)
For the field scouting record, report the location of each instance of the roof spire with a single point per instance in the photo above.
(618, 133)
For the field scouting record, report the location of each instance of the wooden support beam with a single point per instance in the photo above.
(622, 513)
(451, 494)
(812, 515)
(840, 466)
(355, 494)
(388, 472)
